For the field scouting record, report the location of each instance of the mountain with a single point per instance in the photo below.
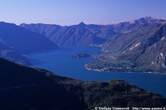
(24, 88)
(80, 35)
(23, 40)
(139, 46)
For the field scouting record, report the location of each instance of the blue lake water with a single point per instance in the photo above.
(62, 63)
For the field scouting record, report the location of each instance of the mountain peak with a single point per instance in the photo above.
(81, 24)
(149, 20)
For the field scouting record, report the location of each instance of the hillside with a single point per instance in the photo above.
(81, 35)
(25, 88)
(140, 46)
(23, 40)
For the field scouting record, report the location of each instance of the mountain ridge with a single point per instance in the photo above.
(80, 35)
(23, 40)
(38, 89)
(139, 49)
(64, 36)
(127, 46)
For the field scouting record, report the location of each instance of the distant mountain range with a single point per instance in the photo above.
(80, 35)
(128, 46)
(23, 40)
(139, 46)
(16, 41)
(85, 35)
(24, 88)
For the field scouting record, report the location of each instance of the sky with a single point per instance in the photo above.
(68, 12)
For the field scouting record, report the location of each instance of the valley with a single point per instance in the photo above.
(137, 46)
(95, 64)
(140, 47)
(62, 62)
(82, 55)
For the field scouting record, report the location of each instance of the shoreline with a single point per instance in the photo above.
(114, 71)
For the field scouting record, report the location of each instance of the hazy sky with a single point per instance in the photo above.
(67, 12)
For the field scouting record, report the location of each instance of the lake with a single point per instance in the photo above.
(62, 63)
